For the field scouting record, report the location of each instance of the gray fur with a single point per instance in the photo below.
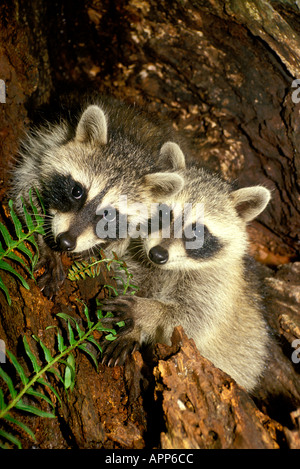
(212, 298)
(109, 152)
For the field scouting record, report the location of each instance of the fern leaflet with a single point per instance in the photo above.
(92, 269)
(61, 365)
(21, 249)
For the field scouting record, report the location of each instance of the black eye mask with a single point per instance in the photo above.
(64, 194)
(209, 245)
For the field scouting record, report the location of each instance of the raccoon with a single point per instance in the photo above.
(81, 170)
(204, 286)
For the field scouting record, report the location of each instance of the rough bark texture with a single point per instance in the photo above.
(203, 407)
(222, 72)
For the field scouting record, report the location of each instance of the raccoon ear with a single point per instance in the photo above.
(249, 202)
(162, 185)
(92, 127)
(171, 156)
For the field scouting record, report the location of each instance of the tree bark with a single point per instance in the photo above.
(203, 407)
(222, 72)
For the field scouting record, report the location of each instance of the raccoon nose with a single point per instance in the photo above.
(158, 255)
(66, 242)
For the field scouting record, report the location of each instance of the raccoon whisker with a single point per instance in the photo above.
(94, 250)
(48, 234)
(91, 252)
(42, 215)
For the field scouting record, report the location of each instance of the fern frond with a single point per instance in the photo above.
(22, 249)
(93, 268)
(61, 365)
(83, 269)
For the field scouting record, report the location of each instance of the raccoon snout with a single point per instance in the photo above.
(65, 242)
(158, 255)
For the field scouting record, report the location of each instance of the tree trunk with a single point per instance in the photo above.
(223, 72)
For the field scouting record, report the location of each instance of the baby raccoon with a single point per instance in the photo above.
(198, 278)
(82, 171)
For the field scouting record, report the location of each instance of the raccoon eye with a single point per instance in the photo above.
(77, 191)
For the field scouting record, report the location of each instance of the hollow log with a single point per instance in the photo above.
(223, 73)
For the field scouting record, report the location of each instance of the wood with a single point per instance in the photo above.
(222, 72)
(203, 407)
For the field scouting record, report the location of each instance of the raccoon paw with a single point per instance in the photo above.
(53, 277)
(116, 352)
(123, 306)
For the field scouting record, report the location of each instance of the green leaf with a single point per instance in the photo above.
(99, 314)
(34, 264)
(25, 250)
(14, 257)
(5, 290)
(110, 287)
(84, 348)
(6, 236)
(16, 221)
(56, 373)
(33, 410)
(5, 266)
(118, 277)
(32, 241)
(24, 427)
(38, 216)
(39, 395)
(61, 345)
(100, 328)
(80, 332)
(120, 324)
(28, 218)
(9, 383)
(71, 334)
(18, 367)
(10, 438)
(94, 342)
(69, 379)
(46, 351)
(2, 402)
(65, 316)
(110, 337)
(44, 383)
(86, 313)
(31, 355)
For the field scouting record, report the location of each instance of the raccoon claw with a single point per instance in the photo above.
(122, 305)
(50, 288)
(53, 277)
(116, 352)
(112, 321)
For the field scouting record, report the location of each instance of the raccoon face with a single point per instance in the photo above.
(85, 193)
(196, 246)
(203, 246)
(218, 236)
